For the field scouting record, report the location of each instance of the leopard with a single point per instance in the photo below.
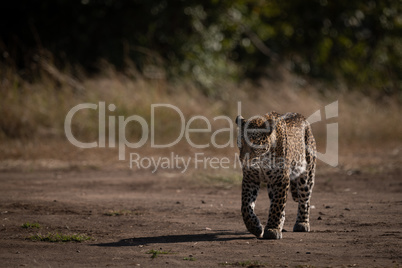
(278, 150)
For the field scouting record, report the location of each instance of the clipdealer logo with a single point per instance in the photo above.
(174, 161)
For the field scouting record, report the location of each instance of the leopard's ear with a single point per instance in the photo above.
(240, 121)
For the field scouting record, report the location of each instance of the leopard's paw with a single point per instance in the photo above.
(272, 234)
(301, 227)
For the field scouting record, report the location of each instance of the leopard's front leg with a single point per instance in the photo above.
(305, 186)
(278, 195)
(249, 195)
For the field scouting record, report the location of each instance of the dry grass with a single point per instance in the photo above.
(33, 114)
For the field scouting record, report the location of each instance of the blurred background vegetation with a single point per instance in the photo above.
(358, 43)
(202, 56)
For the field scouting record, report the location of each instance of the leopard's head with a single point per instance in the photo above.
(254, 137)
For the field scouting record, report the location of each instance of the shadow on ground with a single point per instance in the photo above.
(164, 239)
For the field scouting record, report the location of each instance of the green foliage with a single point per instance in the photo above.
(56, 237)
(30, 225)
(156, 253)
(212, 41)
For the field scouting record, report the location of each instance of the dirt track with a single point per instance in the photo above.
(357, 221)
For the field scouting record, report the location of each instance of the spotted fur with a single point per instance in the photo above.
(278, 150)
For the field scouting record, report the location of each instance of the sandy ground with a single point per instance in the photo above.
(356, 220)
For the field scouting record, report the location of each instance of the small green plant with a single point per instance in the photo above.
(30, 225)
(156, 253)
(56, 237)
(189, 259)
(122, 212)
(243, 264)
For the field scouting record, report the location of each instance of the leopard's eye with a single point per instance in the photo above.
(254, 142)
